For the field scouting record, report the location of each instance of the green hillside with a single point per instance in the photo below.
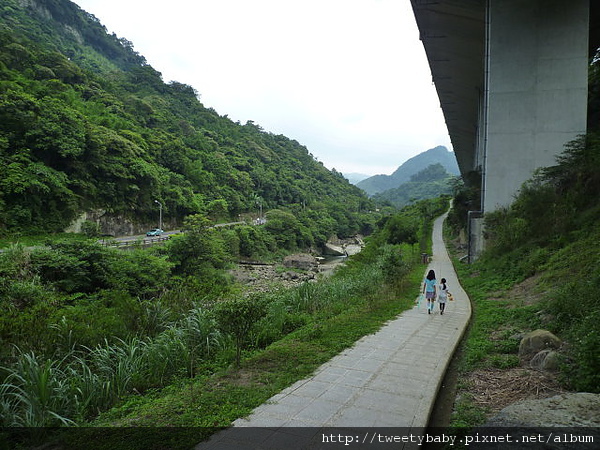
(431, 182)
(87, 125)
(436, 155)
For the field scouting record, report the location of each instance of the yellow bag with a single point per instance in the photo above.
(450, 297)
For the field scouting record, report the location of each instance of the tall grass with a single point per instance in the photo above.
(35, 393)
(201, 338)
(39, 392)
(121, 364)
(91, 393)
(155, 317)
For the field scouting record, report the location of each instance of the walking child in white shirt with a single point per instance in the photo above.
(442, 295)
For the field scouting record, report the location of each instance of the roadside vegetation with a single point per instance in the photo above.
(540, 270)
(161, 338)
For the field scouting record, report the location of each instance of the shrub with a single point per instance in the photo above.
(237, 317)
(254, 241)
(403, 229)
(75, 266)
(199, 251)
(23, 294)
(140, 273)
(565, 304)
(393, 264)
(584, 374)
(23, 327)
(65, 271)
(91, 319)
(15, 264)
(287, 231)
(90, 229)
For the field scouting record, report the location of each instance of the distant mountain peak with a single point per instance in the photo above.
(355, 178)
(437, 155)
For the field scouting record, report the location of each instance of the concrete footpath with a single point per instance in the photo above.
(387, 380)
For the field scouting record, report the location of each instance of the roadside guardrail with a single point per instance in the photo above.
(145, 242)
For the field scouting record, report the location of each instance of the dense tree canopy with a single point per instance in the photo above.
(86, 124)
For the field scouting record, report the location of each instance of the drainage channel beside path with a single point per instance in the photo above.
(385, 385)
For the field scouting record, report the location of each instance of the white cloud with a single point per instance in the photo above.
(347, 78)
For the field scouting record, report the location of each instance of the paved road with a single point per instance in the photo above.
(386, 383)
(124, 240)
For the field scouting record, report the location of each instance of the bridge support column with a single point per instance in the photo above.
(536, 86)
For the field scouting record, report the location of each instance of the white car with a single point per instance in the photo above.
(155, 232)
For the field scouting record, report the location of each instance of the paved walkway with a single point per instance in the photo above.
(387, 379)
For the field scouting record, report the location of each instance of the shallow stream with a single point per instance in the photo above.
(329, 263)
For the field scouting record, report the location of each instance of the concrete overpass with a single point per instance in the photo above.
(512, 78)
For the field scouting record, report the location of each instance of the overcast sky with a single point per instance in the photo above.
(346, 78)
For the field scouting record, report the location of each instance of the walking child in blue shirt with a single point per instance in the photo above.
(429, 289)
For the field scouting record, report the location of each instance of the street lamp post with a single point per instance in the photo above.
(159, 213)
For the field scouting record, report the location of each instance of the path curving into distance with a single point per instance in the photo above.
(386, 384)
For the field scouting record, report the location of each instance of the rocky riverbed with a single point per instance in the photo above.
(294, 269)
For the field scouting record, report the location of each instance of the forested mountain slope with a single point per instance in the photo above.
(86, 124)
(437, 155)
(431, 182)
